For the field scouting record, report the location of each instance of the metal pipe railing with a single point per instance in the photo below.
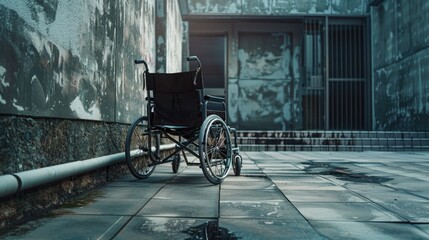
(17, 182)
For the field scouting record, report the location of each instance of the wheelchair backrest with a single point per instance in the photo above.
(177, 100)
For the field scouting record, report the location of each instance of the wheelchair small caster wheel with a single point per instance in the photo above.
(175, 163)
(236, 164)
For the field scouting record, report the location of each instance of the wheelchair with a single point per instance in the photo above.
(178, 110)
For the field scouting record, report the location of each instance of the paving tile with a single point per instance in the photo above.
(127, 192)
(424, 227)
(272, 209)
(414, 212)
(375, 195)
(323, 195)
(345, 212)
(181, 208)
(298, 178)
(248, 170)
(188, 179)
(276, 165)
(270, 229)
(189, 192)
(106, 206)
(155, 178)
(251, 194)
(160, 228)
(70, 227)
(256, 155)
(408, 184)
(240, 183)
(378, 193)
(319, 186)
(367, 230)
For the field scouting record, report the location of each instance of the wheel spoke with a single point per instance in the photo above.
(215, 150)
(137, 149)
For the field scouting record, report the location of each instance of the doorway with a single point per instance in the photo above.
(211, 50)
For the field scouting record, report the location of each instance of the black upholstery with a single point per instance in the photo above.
(177, 101)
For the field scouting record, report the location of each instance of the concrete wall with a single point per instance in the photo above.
(70, 60)
(265, 80)
(400, 42)
(276, 7)
(29, 143)
(264, 92)
(174, 37)
(74, 59)
(169, 32)
(69, 88)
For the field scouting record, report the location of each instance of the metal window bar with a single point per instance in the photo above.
(346, 102)
(335, 98)
(314, 91)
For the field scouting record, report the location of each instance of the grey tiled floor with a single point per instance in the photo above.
(280, 195)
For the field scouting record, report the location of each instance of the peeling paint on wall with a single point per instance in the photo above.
(74, 59)
(215, 6)
(266, 95)
(174, 33)
(401, 76)
(277, 7)
(135, 40)
(402, 94)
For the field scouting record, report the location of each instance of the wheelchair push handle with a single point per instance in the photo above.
(193, 59)
(138, 61)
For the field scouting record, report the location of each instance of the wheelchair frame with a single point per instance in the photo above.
(211, 142)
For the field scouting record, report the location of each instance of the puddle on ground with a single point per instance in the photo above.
(210, 231)
(341, 173)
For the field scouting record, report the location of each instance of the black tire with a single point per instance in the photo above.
(215, 149)
(236, 164)
(137, 149)
(175, 163)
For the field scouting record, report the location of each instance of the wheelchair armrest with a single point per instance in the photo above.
(214, 98)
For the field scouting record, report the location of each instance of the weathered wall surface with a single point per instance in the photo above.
(174, 37)
(276, 7)
(74, 59)
(28, 143)
(169, 32)
(31, 143)
(400, 39)
(265, 63)
(69, 89)
(264, 93)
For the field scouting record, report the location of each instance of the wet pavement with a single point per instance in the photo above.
(280, 195)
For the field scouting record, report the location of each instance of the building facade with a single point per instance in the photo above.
(316, 65)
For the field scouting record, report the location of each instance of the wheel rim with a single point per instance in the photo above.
(137, 149)
(216, 151)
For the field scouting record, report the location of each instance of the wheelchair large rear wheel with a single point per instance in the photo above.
(137, 149)
(215, 149)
